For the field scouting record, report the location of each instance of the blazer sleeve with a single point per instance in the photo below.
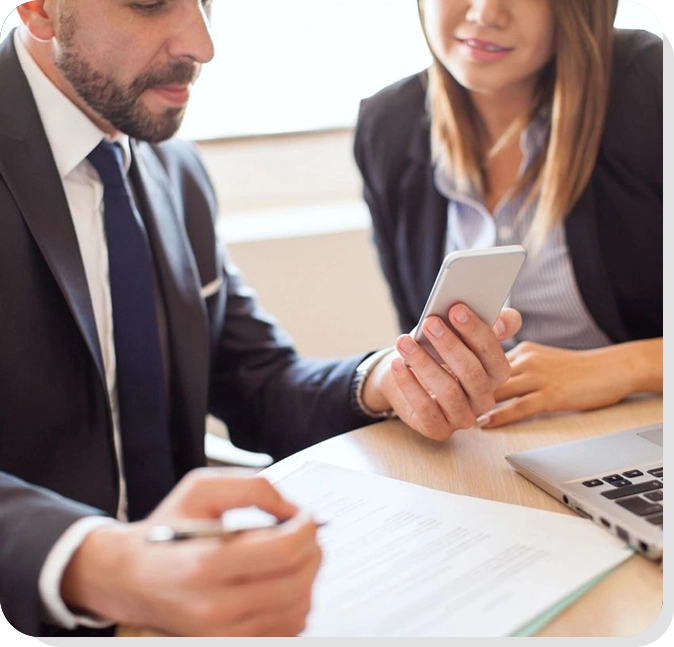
(31, 521)
(632, 142)
(270, 398)
(628, 186)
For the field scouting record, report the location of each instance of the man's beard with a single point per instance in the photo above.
(118, 104)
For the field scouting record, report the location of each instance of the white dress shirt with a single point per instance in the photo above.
(72, 136)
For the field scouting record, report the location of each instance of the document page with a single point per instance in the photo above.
(405, 560)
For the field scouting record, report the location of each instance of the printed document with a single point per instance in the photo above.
(405, 560)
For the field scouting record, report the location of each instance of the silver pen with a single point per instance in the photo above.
(205, 529)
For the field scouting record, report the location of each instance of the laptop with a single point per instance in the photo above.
(614, 479)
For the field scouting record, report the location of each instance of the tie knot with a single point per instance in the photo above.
(108, 161)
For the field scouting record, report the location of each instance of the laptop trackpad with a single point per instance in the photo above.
(654, 436)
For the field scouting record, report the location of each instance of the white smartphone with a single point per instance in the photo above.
(479, 278)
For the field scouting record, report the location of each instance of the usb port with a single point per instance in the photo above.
(582, 512)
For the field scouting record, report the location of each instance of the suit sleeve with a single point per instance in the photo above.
(31, 521)
(271, 399)
(628, 186)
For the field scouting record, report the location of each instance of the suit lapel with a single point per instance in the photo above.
(28, 168)
(180, 284)
(423, 219)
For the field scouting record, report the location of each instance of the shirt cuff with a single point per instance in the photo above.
(51, 574)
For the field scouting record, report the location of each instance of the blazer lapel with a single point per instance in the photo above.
(423, 218)
(29, 170)
(180, 284)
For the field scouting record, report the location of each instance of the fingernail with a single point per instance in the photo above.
(435, 328)
(499, 328)
(483, 420)
(397, 365)
(460, 315)
(407, 345)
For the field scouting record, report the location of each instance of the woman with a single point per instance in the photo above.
(536, 123)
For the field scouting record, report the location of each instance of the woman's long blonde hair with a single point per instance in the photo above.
(574, 87)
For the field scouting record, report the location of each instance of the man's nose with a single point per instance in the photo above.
(192, 35)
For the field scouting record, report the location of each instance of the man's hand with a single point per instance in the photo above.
(435, 399)
(256, 583)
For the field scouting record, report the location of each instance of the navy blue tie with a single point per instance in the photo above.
(143, 411)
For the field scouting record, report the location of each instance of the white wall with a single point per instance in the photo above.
(325, 289)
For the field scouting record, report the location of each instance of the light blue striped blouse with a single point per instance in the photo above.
(546, 292)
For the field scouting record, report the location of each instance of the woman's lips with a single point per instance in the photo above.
(484, 50)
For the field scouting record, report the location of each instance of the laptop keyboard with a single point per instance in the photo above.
(639, 492)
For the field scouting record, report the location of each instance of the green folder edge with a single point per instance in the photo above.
(539, 622)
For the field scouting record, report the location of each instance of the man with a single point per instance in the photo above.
(121, 312)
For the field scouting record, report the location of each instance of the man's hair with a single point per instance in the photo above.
(573, 87)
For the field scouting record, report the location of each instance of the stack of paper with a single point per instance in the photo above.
(405, 560)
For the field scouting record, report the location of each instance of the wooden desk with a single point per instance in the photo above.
(472, 462)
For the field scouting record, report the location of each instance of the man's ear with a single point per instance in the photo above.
(37, 19)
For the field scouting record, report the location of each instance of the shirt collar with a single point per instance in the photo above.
(70, 133)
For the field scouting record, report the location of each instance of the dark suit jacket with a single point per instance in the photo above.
(614, 231)
(227, 356)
